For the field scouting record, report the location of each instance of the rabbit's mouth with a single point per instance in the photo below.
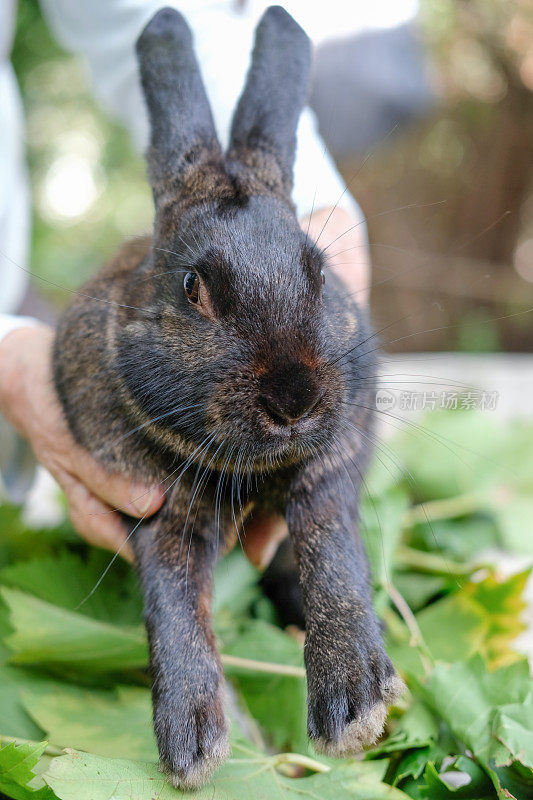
(278, 415)
(271, 441)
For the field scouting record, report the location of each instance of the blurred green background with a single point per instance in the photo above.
(456, 268)
(89, 187)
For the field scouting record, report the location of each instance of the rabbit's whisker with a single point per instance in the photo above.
(382, 214)
(176, 410)
(159, 274)
(368, 493)
(435, 437)
(134, 529)
(407, 379)
(74, 291)
(357, 172)
(417, 333)
(218, 494)
(200, 485)
(385, 449)
(359, 345)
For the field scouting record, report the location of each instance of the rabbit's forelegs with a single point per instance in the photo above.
(350, 678)
(187, 680)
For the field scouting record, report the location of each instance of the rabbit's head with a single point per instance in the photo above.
(241, 341)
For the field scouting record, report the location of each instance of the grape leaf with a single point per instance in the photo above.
(483, 616)
(458, 539)
(484, 709)
(235, 581)
(451, 453)
(17, 762)
(115, 723)
(19, 542)
(381, 531)
(513, 516)
(512, 732)
(14, 721)
(418, 589)
(463, 780)
(80, 776)
(287, 728)
(47, 634)
(66, 580)
(454, 627)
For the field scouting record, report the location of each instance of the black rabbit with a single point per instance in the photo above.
(219, 350)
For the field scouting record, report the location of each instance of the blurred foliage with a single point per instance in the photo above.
(454, 262)
(482, 45)
(72, 661)
(89, 188)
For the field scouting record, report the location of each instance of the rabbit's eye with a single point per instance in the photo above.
(191, 284)
(322, 276)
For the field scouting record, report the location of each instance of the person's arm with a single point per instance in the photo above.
(14, 187)
(28, 405)
(29, 402)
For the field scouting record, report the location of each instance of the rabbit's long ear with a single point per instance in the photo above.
(267, 114)
(182, 130)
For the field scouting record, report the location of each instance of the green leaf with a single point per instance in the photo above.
(504, 604)
(381, 531)
(482, 617)
(467, 696)
(417, 588)
(454, 627)
(411, 765)
(451, 453)
(456, 452)
(46, 634)
(17, 762)
(471, 701)
(416, 728)
(78, 776)
(67, 581)
(512, 728)
(18, 541)
(235, 582)
(287, 727)
(473, 782)
(384, 472)
(459, 539)
(115, 723)
(514, 782)
(14, 721)
(513, 514)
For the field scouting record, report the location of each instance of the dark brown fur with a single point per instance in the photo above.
(160, 393)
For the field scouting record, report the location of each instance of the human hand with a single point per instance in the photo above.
(342, 236)
(28, 400)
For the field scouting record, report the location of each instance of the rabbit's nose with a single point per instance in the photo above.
(289, 392)
(290, 410)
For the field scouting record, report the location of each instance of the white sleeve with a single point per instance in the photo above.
(17, 461)
(317, 182)
(10, 322)
(104, 33)
(14, 194)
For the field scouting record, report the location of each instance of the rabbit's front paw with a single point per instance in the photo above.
(193, 739)
(347, 709)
